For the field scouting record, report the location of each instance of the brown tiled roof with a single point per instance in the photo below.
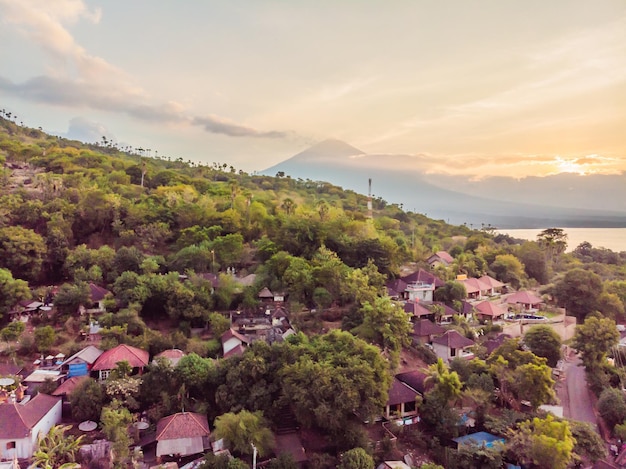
(10, 369)
(135, 357)
(423, 276)
(17, 420)
(452, 339)
(266, 293)
(173, 355)
(396, 287)
(416, 309)
(415, 379)
(425, 327)
(182, 425)
(68, 386)
(97, 293)
(400, 393)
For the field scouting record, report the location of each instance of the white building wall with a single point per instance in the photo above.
(180, 446)
(230, 344)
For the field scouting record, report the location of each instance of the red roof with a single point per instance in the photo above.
(182, 425)
(487, 308)
(443, 255)
(415, 379)
(135, 357)
(97, 293)
(17, 420)
(68, 386)
(453, 340)
(230, 333)
(400, 393)
(425, 327)
(416, 309)
(492, 282)
(423, 276)
(473, 285)
(524, 297)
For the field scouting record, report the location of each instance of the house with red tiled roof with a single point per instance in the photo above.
(417, 310)
(526, 299)
(452, 344)
(440, 258)
(495, 285)
(172, 355)
(475, 288)
(67, 387)
(97, 294)
(233, 343)
(488, 310)
(415, 379)
(182, 434)
(424, 330)
(22, 424)
(137, 359)
(401, 402)
(418, 285)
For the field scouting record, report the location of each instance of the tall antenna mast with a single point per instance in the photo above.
(370, 214)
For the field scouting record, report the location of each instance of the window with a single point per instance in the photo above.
(11, 445)
(104, 374)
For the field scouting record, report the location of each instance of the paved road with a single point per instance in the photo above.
(575, 395)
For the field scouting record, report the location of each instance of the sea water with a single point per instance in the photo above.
(609, 238)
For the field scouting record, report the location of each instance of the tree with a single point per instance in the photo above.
(447, 384)
(386, 324)
(534, 262)
(335, 376)
(546, 443)
(578, 292)
(45, 338)
(11, 290)
(594, 338)
(243, 429)
(219, 324)
(56, 449)
(356, 458)
(115, 421)
(553, 241)
(22, 251)
(508, 269)
(71, 296)
(543, 341)
(12, 331)
(612, 407)
(589, 445)
(87, 400)
(452, 291)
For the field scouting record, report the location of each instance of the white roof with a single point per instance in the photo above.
(89, 354)
(39, 376)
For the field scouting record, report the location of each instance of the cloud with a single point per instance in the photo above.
(83, 81)
(85, 130)
(218, 125)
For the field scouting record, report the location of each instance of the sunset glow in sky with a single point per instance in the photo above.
(478, 88)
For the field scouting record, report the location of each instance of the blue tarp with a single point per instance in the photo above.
(478, 439)
(77, 369)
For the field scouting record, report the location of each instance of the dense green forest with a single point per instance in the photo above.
(170, 238)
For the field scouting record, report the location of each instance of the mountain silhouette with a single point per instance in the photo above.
(454, 199)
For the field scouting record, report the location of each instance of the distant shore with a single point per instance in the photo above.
(609, 238)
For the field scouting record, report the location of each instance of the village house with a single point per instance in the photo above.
(137, 359)
(440, 258)
(182, 434)
(21, 424)
(424, 330)
(402, 401)
(81, 362)
(451, 345)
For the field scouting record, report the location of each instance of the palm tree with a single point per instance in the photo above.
(56, 450)
(288, 205)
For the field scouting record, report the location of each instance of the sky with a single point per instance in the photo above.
(477, 87)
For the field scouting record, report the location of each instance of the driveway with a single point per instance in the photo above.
(574, 393)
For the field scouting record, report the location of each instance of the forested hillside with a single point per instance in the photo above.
(141, 251)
